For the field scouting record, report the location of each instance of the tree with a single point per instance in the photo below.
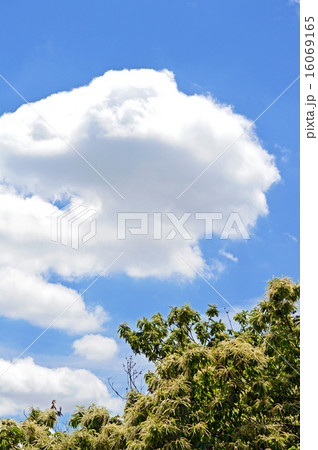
(159, 337)
(215, 388)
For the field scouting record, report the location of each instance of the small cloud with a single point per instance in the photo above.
(228, 255)
(95, 347)
(284, 153)
(292, 237)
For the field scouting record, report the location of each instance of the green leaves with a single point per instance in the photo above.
(214, 389)
(11, 434)
(157, 338)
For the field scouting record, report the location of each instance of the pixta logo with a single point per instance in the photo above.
(73, 225)
(143, 223)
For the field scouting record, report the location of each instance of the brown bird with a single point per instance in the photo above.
(53, 405)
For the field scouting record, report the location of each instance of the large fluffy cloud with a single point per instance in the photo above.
(27, 384)
(149, 141)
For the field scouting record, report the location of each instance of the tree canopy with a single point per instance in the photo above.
(211, 388)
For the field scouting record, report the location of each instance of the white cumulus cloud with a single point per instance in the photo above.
(150, 141)
(95, 347)
(39, 302)
(27, 384)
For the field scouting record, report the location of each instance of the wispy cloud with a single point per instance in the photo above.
(228, 255)
(292, 237)
(284, 153)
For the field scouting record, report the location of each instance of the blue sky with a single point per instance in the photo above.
(243, 54)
